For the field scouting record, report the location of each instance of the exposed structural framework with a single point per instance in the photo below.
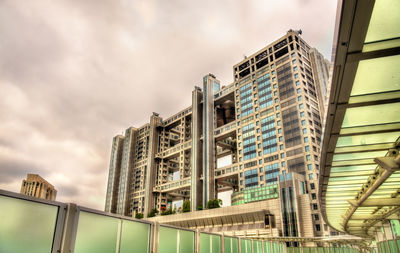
(360, 163)
(35, 186)
(267, 125)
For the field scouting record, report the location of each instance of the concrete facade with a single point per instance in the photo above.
(267, 128)
(35, 186)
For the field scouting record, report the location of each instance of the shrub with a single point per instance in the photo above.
(186, 206)
(152, 213)
(168, 211)
(139, 216)
(214, 203)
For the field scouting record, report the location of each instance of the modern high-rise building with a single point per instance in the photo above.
(255, 140)
(322, 70)
(35, 186)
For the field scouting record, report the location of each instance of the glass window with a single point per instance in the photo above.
(298, 90)
(303, 122)
(281, 147)
(296, 76)
(308, 157)
(307, 148)
(282, 155)
(310, 176)
(305, 139)
(283, 164)
(295, 68)
(304, 130)
(299, 98)
(309, 166)
(301, 114)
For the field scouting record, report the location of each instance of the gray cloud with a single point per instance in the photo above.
(75, 73)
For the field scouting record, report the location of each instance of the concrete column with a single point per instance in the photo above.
(210, 86)
(196, 159)
(155, 120)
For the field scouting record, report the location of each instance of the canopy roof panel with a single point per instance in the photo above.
(360, 178)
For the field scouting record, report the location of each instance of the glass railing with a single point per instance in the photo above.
(39, 226)
(388, 246)
(322, 250)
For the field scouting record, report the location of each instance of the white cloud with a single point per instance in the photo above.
(75, 73)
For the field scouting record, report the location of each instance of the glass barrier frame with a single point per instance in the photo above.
(180, 228)
(61, 213)
(79, 209)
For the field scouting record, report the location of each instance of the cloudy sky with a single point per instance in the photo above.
(75, 73)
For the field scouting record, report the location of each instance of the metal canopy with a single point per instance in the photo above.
(360, 155)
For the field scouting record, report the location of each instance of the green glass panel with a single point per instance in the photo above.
(167, 240)
(205, 246)
(359, 155)
(186, 241)
(392, 246)
(385, 21)
(235, 245)
(280, 247)
(257, 247)
(216, 243)
(396, 227)
(320, 250)
(367, 139)
(227, 244)
(306, 250)
(26, 226)
(135, 237)
(246, 246)
(96, 233)
(371, 115)
(381, 45)
(267, 247)
(377, 75)
(274, 247)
